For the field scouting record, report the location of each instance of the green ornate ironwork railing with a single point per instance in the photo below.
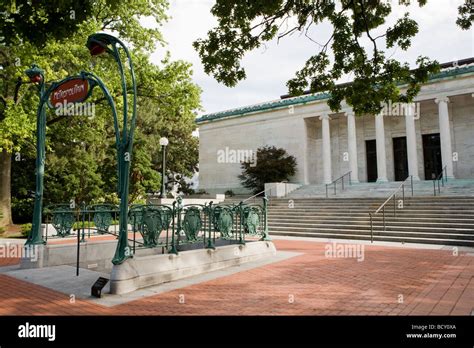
(67, 220)
(172, 228)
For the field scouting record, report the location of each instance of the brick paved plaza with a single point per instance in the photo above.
(389, 281)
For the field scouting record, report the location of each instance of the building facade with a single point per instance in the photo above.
(421, 139)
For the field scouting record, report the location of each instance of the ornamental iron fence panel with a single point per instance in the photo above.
(172, 228)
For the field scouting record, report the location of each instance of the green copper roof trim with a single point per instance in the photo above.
(303, 99)
(264, 106)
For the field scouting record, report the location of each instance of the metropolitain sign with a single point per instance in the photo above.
(71, 90)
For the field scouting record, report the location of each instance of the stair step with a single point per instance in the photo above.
(388, 212)
(445, 241)
(424, 218)
(445, 224)
(366, 215)
(395, 228)
(365, 211)
(454, 236)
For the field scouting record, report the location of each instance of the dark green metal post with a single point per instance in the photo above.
(210, 245)
(78, 253)
(35, 237)
(173, 249)
(83, 218)
(97, 44)
(265, 236)
(241, 230)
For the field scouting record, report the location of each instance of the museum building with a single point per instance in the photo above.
(433, 134)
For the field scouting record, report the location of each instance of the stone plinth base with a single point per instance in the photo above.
(143, 271)
(92, 255)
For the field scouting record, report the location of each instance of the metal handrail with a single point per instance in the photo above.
(334, 182)
(443, 177)
(382, 206)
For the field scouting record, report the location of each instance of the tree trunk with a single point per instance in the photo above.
(5, 188)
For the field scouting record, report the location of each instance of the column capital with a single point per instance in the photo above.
(348, 112)
(324, 116)
(440, 99)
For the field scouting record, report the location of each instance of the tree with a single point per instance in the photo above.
(246, 25)
(81, 156)
(176, 105)
(271, 165)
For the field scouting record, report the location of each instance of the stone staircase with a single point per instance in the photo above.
(447, 218)
(454, 187)
(434, 220)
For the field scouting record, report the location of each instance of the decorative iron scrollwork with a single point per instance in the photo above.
(103, 217)
(216, 212)
(224, 223)
(135, 214)
(192, 223)
(152, 224)
(251, 220)
(63, 220)
(168, 226)
(166, 217)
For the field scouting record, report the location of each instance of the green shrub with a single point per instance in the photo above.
(91, 224)
(229, 193)
(270, 165)
(87, 224)
(25, 229)
(22, 210)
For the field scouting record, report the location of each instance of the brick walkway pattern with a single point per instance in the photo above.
(389, 281)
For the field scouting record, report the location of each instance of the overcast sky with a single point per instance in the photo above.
(269, 68)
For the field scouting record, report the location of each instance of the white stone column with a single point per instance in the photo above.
(411, 140)
(352, 145)
(326, 135)
(380, 145)
(445, 135)
(305, 152)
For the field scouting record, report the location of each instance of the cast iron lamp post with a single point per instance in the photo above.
(97, 44)
(163, 142)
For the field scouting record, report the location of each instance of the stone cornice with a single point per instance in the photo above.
(304, 99)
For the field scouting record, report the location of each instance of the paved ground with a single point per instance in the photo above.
(389, 281)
